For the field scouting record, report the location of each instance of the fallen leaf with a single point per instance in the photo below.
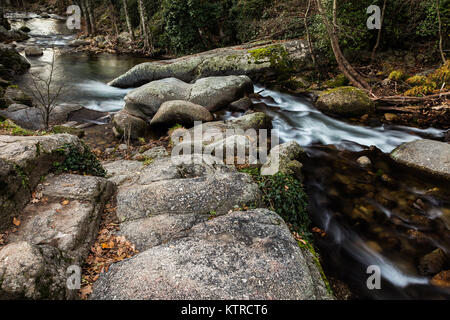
(65, 202)
(16, 222)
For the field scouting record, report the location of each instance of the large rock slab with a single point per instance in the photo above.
(68, 219)
(236, 60)
(164, 199)
(213, 93)
(345, 101)
(431, 157)
(32, 272)
(242, 255)
(217, 193)
(23, 162)
(153, 231)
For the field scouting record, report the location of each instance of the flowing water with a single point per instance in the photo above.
(376, 216)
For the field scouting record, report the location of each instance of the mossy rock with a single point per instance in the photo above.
(345, 101)
(336, 82)
(14, 94)
(11, 62)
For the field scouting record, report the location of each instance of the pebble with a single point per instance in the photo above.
(364, 161)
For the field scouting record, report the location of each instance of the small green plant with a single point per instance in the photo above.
(141, 140)
(338, 81)
(416, 80)
(78, 161)
(397, 75)
(147, 161)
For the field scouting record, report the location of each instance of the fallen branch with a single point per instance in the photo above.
(408, 100)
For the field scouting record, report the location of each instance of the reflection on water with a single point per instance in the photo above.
(380, 216)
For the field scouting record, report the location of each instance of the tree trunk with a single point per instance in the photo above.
(372, 58)
(441, 50)
(346, 68)
(113, 16)
(308, 38)
(127, 18)
(91, 16)
(86, 15)
(143, 18)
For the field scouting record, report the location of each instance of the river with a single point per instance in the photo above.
(379, 216)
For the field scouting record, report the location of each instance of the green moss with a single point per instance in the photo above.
(21, 173)
(147, 161)
(14, 130)
(419, 91)
(339, 81)
(310, 248)
(277, 56)
(397, 75)
(416, 80)
(62, 129)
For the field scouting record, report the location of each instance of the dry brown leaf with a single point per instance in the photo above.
(16, 222)
(65, 202)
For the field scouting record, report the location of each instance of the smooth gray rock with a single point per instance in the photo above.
(129, 126)
(145, 101)
(121, 171)
(28, 118)
(241, 105)
(242, 255)
(180, 112)
(236, 60)
(213, 93)
(33, 51)
(432, 157)
(32, 272)
(16, 107)
(217, 92)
